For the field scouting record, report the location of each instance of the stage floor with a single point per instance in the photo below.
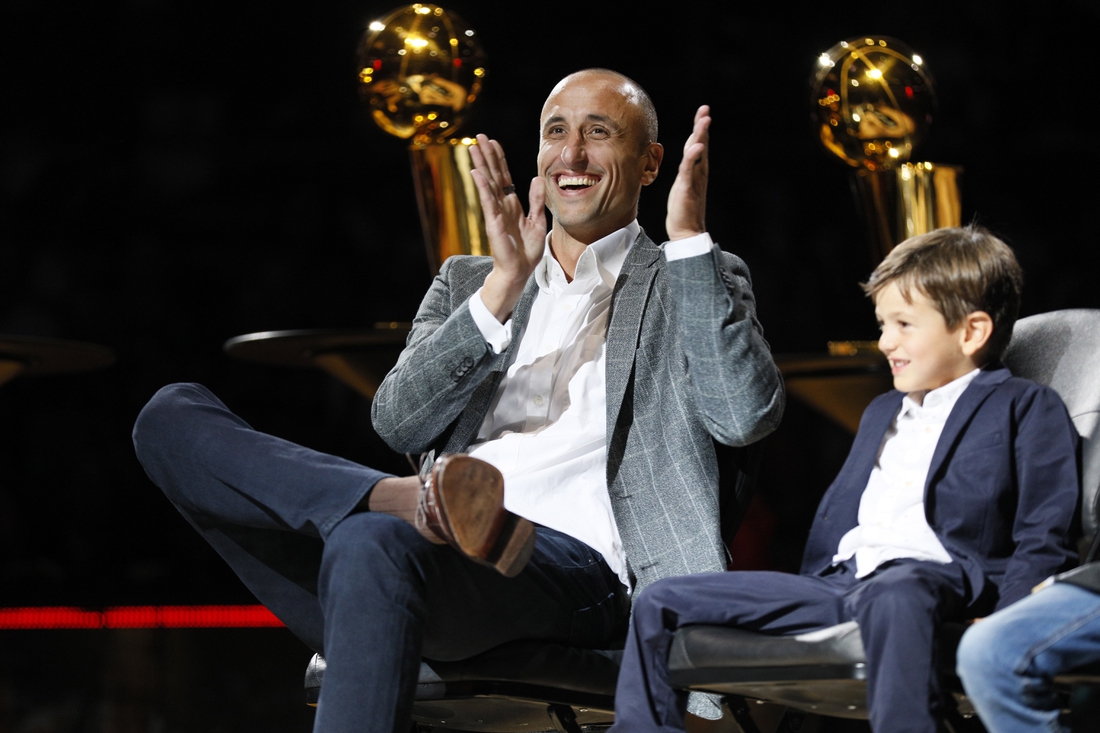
(153, 681)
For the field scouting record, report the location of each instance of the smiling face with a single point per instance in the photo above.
(924, 353)
(593, 156)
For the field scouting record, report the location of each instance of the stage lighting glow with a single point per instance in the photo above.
(139, 617)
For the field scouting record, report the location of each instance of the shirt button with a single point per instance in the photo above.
(538, 400)
(567, 306)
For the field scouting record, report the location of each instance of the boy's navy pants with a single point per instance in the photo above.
(897, 607)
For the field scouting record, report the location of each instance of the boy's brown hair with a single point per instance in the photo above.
(961, 270)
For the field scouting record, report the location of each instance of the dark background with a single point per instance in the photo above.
(173, 174)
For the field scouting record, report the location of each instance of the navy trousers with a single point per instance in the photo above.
(365, 589)
(897, 607)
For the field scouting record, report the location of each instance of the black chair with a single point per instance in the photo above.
(824, 672)
(523, 686)
(533, 686)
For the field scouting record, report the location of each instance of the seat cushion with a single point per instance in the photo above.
(703, 647)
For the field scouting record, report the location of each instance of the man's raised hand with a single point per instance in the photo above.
(687, 201)
(517, 240)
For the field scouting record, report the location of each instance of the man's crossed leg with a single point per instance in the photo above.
(367, 589)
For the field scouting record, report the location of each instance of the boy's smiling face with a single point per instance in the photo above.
(923, 352)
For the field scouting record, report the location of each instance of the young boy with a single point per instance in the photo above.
(957, 498)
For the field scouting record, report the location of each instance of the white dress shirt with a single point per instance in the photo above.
(892, 522)
(546, 429)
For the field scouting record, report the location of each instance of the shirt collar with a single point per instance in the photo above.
(604, 257)
(941, 397)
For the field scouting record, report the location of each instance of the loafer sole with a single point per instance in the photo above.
(471, 492)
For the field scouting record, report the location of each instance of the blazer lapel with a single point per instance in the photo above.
(469, 422)
(865, 450)
(520, 314)
(624, 328)
(969, 401)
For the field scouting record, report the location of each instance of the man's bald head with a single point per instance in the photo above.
(639, 98)
(596, 152)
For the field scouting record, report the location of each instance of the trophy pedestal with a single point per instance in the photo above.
(360, 358)
(838, 387)
(33, 355)
(912, 199)
(450, 210)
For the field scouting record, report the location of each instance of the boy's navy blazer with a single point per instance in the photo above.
(1001, 492)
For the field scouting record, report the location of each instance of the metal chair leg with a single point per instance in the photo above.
(563, 718)
(739, 709)
(792, 721)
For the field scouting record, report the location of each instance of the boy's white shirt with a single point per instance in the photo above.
(892, 522)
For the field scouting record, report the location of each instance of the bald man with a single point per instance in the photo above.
(594, 369)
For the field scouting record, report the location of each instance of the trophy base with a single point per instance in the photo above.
(912, 199)
(450, 210)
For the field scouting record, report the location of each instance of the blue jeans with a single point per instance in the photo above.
(1008, 660)
(365, 589)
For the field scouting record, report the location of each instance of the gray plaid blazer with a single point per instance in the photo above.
(686, 365)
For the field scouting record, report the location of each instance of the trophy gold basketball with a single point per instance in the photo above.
(872, 103)
(420, 73)
(421, 70)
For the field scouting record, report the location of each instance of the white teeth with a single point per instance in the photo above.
(564, 181)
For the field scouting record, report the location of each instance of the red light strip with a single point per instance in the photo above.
(139, 617)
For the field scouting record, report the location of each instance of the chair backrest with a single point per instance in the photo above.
(1061, 349)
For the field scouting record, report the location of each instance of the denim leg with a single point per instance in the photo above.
(212, 463)
(1008, 660)
(566, 594)
(898, 608)
(779, 603)
(390, 597)
(365, 588)
(265, 504)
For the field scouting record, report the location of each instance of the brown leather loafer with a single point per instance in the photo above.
(462, 503)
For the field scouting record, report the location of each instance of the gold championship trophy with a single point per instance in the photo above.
(420, 72)
(872, 103)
